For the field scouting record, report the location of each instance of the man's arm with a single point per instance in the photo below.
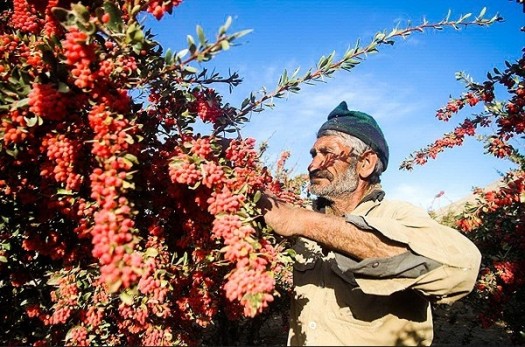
(332, 231)
(452, 261)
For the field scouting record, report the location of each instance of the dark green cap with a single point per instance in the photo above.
(360, 125)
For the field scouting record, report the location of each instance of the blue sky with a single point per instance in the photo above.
(402, 86)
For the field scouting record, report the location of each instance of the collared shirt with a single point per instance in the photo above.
(382, 301)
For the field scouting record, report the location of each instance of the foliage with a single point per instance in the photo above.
(119, 224)
(495, 220)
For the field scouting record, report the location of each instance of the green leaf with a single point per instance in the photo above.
(126, 298)
(183, 260)
(31, 122)
(115, 16)
(20, 103)
(190, 69)
(135, 10)
(168, 58)
(54, 280)
(225, 45)
(60, 13)
(192, 47)
(181, 54)
(379, 37)
(226, 26)
(62, 191)
(87, 27)
(190, 40)
(200, 34)
(151, 252)
(3, 259)
(63, 88)
(12, 152)
(81, 11)
(245, 103)
(113, 287)
(465, 17)
(131, 158)
(134, 34)
(482, 13)
(128, 185)
(257, 196)
(240, 34)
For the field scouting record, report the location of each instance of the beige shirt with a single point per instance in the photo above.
(333, 307)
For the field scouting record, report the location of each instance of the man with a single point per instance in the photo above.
(367, 268)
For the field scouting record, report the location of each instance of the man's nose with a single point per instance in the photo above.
(315, 164)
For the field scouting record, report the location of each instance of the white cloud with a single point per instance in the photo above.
(418, 195)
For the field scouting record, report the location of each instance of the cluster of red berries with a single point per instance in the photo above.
(79, 131)
(242, 153)
(80, 54)
(184, 171)
(498, 148)
(158, 336)
(207, 106)
(52, 26)
(66, 299)
(112, 237)
(201, 147)
(24, 17)
(16, 52)
(47, 102)
(112, 233)
(111, 132)
(134, 319)
(212, 174)
(93, 317)
(225, 202)
(14, 127)
(52, 246)
(200, 303)
(62, 153)
(153, 285)
(454, 105)
(252, 288)
(78, 336)
(159, 7)
(510, 272)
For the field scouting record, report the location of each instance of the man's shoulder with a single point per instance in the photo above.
(400, 206)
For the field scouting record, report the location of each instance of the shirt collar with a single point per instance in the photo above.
(369, 201)
(374, 196)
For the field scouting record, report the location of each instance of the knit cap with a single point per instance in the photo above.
(360, 125)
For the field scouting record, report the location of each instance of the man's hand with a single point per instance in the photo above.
(278, 214)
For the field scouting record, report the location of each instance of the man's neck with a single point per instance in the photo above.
(343, 204)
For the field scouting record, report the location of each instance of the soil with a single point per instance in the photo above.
(455, 325)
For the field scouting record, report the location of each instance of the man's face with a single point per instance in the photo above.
(333, 168)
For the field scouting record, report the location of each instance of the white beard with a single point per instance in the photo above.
(342, 185)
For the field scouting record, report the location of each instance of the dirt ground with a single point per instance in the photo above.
(454, 325)
(458, 325)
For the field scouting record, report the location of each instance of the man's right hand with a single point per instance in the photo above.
(278, 214)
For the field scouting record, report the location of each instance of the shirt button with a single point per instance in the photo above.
(376, 264)
(312, 325)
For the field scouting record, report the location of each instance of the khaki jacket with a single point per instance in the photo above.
(377, 303)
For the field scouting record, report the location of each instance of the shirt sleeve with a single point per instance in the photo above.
(456, 257)
(405, 265)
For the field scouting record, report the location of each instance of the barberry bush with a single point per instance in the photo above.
(495, 220)
(119, 222)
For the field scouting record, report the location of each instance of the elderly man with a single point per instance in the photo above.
(367, 268)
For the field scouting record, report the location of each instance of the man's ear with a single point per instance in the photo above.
(366, 164)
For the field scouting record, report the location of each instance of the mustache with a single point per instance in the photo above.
(321, 174)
